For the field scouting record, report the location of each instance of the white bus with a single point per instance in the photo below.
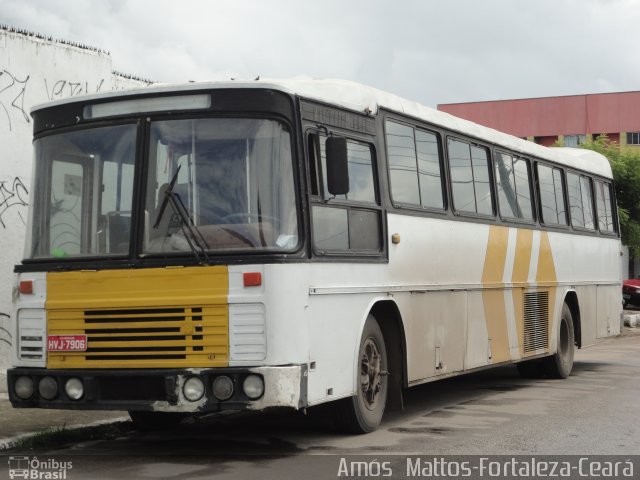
(224, 246)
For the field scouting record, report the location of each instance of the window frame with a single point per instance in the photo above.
(565, 197)
(441, 163)
(580, 176)
(532, 194)
(315, 200)
(612, 199)
(492, 190)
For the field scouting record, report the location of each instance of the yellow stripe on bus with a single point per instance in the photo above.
(493, 295)
(522, 260)
(546, 275)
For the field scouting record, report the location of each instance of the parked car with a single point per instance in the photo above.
(631, 292)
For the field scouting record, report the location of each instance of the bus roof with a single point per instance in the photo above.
(362, 98)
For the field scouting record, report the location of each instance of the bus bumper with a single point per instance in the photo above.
(161, 390)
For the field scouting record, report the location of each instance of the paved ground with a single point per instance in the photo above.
(17, 423)
(490, 413)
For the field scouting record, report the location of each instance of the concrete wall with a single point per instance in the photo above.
(33, 70)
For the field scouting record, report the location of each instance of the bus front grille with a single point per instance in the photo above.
(194, 336)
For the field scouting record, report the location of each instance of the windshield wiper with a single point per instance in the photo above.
(192, 235)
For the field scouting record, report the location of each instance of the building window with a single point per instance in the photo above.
(574, 140)
(633, 138)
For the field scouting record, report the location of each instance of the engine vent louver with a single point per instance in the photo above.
(536, 321)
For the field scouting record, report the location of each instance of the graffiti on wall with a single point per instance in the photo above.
(69, 88)
(12, 196)
(12, 90)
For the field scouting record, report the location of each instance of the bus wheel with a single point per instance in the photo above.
(148, 421)
(362, 413)
(560, 364)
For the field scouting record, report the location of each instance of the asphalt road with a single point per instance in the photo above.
(594, 412)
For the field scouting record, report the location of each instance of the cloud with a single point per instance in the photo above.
(429, 51)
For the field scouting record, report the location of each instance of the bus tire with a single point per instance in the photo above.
(362, 413)
(560, 364)
(149, 421)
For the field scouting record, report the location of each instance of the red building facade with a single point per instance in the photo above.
(570, 120)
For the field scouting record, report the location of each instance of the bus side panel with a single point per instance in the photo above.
(608, 310)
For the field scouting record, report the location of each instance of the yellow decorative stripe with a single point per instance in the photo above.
(524, 247)
(144, 318)
(493, 295)
(546, 274)
(493, 300)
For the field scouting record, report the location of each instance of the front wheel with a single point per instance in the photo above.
(560, 364)
(363, 412)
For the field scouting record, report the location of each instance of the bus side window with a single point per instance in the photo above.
(605, 207)
(514, 192)
(345, 222)
(580, 201)
(415, 170)
(470, 180)
(551, 195)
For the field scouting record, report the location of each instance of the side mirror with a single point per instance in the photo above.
(337, 166)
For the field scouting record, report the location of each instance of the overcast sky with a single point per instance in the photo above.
(431, 51)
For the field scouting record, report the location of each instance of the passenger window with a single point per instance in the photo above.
(345, 222)
(580, 201)
(470, 179)
(414, 166)
(551, 195)
(360, 164)
(605, 207)
(514, 192)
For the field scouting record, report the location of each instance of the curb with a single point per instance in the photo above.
(9, 442)
(632, 321)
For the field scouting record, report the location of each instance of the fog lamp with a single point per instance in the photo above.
(74, 388)
(253, 386)
(48, 388)
(24, 387)
(222, 387)
(193, 389)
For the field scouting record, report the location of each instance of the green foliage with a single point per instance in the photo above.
(625, 164)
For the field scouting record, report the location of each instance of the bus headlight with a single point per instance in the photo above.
(253, 386)
(193, 389)
(24, 387)
(48, 388)
(223, 387)
(74, 388)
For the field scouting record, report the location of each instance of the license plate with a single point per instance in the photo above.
(67, 343)
(625, 296)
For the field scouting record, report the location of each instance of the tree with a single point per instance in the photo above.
(625, 164)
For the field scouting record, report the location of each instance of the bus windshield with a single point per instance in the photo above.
(235, 182)
(83, 193)
(234, 178)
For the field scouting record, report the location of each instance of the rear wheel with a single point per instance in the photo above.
(560, 364)
(363, 412)
(147, 421)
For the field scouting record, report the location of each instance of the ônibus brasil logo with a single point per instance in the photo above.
(32, 468)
